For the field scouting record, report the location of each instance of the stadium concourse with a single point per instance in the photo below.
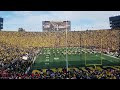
(19, 50)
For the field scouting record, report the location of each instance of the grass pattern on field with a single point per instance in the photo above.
(56, 57)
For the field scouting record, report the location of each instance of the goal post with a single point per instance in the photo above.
(92, 57)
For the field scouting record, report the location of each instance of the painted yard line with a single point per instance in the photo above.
(111, 56)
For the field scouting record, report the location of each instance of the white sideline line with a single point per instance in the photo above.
(111, 56)
(107, 55)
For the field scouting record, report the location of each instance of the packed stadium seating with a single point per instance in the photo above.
(15, 45)
(108, 38)
(77, 73)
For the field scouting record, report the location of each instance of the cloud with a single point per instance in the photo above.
(32, 20)
(22, 13)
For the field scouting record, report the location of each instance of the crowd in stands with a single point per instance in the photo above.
(99, 38)
(15, 45)
(11, 58)
(104, 73)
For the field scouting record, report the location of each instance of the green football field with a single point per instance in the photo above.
(78, 57)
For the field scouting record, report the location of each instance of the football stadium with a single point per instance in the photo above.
(59, 53)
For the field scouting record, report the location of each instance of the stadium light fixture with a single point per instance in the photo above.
(66, 49)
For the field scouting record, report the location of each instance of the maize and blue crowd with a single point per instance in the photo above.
(15, 45)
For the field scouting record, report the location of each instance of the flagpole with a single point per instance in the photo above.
(66, 49)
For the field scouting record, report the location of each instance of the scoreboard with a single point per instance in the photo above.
(56, 26)
(1, 23)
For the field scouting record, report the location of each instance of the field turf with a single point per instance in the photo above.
(56, 58)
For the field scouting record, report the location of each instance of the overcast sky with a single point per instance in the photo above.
(80, 20)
